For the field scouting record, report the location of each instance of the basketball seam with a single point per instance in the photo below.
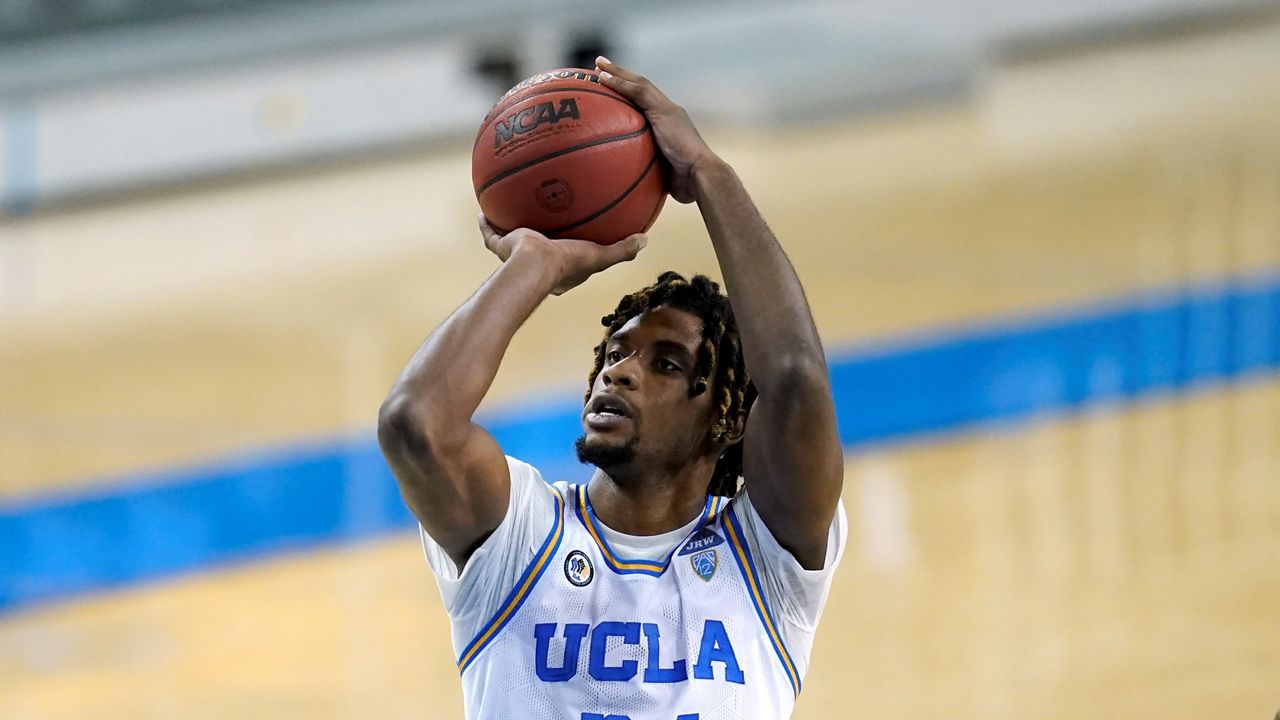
(656, 208)
(611, 205)
(565, 151)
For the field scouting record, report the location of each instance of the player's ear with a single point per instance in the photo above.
(737, 426)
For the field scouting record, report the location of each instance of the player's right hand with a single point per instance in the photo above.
(572, 261)
(685, 150)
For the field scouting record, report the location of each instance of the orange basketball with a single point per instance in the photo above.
(564, 155)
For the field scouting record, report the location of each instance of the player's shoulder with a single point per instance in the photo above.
(528, 481)
(564, 489)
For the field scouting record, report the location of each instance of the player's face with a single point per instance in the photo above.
(640, 407)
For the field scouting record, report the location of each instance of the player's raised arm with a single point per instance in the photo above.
(792, 460)
(451, 472)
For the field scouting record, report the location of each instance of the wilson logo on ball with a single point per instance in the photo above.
(547, 77)
(531, 118)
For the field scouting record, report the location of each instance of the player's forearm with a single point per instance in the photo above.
(779, 337)
(447, 378)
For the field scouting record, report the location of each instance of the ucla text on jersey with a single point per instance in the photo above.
(587, 634)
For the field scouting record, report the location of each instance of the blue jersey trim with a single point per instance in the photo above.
(624, 566)
(756, 591)
(518, 594)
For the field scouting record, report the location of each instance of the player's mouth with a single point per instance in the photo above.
(607, 411)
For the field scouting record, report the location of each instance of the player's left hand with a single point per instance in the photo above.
(572, 261)
(678, 139)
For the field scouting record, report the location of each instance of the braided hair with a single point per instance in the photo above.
(720, 353)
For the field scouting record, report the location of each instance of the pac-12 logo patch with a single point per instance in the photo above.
(577, 567)
(704, 563)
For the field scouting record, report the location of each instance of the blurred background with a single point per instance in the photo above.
(1041, 240)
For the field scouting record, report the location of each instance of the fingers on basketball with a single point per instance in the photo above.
(634, 87)
(491, 236)
(630, 247)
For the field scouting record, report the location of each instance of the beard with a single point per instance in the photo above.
(604, 455)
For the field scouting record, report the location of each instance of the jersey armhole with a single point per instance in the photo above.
(524, 585)
(459, 586)
(740, 548)
(837, 538)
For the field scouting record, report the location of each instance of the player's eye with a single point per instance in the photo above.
(613, 357)
(668, 365)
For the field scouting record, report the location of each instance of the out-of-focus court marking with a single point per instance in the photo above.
(266, 504)
(1004, 609)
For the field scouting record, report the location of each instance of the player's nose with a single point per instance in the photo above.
(622, 373)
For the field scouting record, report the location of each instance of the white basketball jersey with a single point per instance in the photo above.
(588, 635)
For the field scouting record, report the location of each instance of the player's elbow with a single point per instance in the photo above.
(801, 377)
(799, 396)
(409, 427)
(396, 425)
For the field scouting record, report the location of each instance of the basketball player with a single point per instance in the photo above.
(686, 578)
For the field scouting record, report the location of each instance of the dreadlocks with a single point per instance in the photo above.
(720, 353)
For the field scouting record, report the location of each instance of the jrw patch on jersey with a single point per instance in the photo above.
(703, 539)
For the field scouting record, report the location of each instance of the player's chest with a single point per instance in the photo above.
(682, 618)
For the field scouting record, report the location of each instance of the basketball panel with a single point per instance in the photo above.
(633, 212)
(566, 190)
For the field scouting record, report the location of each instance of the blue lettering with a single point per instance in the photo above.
(630, 634)
(652, 672)
(573, 635)
(717, 648)
(598, 716)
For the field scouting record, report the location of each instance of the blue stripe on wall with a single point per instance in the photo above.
(1162, 343)
(19, 184)
(166, 524)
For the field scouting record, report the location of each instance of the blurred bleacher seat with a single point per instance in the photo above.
(103, 95)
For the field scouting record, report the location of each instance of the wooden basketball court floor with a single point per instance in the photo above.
(1120, 560)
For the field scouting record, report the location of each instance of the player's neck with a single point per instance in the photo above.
(649, 504)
